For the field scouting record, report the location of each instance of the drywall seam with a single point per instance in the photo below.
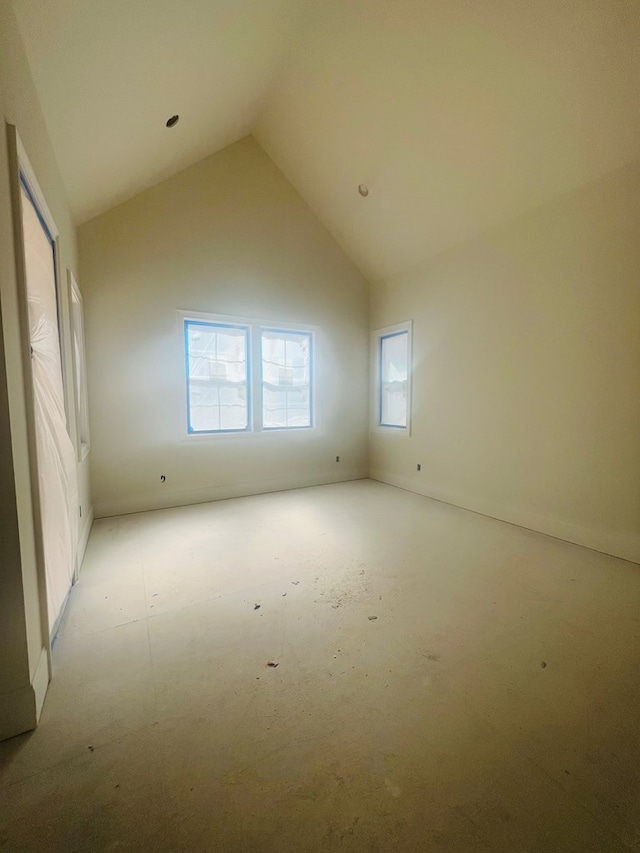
(164, 500)
(606, 542)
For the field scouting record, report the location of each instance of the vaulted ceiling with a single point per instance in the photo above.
(457, 114)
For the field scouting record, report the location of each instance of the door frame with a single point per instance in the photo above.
(21, 172)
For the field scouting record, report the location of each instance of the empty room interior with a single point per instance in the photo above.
(320, 419)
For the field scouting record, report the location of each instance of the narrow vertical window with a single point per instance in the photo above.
(286, 379)
(79, 369)
(393, 379)
(217, 377)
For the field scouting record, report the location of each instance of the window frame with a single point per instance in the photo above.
(377, 337)
(247, 348)
(80, 393)
(255, 327)
(312, 357)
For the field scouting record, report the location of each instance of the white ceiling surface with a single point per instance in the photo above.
(458, 114)
(109, 73)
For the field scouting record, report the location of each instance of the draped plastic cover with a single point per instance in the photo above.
(218, 368)
(394, 373)
(56, 456)
(286, 379)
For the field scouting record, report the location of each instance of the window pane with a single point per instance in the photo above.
(394, 371)
(286, 379)
(80, 377)
(217, 377)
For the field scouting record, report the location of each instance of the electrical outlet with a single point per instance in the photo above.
(418, 467)
(337, 458)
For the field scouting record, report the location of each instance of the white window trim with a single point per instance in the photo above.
(254, 385)
(376, 337)
(80, 395)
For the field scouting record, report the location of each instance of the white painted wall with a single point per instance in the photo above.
(226, 236)
(23, 662)
(527, 369)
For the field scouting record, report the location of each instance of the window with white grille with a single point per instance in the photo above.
(286, 379)
(217, 377)
(243, 376)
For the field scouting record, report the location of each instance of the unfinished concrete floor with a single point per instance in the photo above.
(445, 682)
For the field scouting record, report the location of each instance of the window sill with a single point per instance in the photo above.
(199, 437)
(398, 432)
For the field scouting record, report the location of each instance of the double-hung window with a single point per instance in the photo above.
(217, 377)
(243, 376)
(392, 360)
(79, 369)
(286, 379)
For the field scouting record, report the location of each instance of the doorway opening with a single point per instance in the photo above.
(55, 454)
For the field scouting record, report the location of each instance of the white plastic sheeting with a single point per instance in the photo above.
(394, 376)
(218, 373)
(56, 457)
(286, 379)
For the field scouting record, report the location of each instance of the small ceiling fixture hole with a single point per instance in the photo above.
(173, 121)
(363, 189)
